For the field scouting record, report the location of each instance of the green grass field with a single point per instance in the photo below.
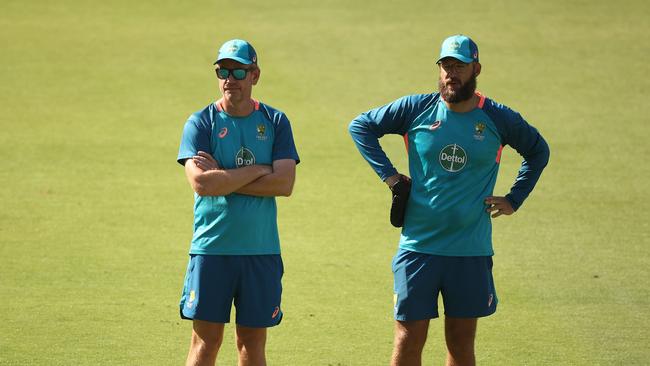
(95, 214)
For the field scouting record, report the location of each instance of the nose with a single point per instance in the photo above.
(452, 71)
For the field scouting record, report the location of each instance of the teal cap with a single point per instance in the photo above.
(238, 50)
(459, 47)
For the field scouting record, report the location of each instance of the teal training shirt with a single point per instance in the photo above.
(237, 224)
(453, 163)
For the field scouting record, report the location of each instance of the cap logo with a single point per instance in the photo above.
(455, 46)
(233, 48)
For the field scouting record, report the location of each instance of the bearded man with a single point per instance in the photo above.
(454, 141)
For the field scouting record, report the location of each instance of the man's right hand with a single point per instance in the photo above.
(400, 187)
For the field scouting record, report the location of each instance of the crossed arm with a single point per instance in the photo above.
(208, 179)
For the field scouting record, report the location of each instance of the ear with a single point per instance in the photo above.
(477, 69)
(256, 75)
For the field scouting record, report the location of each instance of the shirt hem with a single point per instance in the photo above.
(449, 254)
(205, 252)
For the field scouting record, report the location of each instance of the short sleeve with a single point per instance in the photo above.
(284, 146)
(195, 138)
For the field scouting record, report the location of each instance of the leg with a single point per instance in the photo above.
(251, 343)
(410, 337)
(459, 334)
(206, 340)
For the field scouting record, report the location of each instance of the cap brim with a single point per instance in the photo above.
(457, 56)
(238, 59)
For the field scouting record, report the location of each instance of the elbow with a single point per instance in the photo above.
(287, 189)
(201, 188)
(354, 127)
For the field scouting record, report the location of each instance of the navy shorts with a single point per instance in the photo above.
(465, 283)
(252, 282)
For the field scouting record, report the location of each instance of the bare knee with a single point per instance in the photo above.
(203, 344)
(206, 341)
(410, 337)
(251, 343)
(459, 335)
(250, 338)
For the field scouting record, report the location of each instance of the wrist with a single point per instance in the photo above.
(392, 180)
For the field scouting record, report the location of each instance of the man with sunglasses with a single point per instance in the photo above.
(238, 155)
(454, 141)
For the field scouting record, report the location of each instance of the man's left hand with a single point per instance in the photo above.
(205, 161)
(498, 205)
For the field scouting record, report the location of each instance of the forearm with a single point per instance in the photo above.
(278, 183)
(367, 141)
(218, 182)
(269, 185)
(531, 169)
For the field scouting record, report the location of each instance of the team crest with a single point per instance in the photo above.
(190, 301)
(454, 46)
(261, 132)
(478, 131)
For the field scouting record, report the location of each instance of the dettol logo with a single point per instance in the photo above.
(452, 158)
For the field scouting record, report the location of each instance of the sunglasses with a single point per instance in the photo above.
(238, 74)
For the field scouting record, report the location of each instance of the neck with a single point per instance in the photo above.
(237, 109)
(464, 106)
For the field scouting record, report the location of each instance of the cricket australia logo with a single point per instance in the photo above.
(261, 132)
(452, 158)
(478, 131)
(244, 157)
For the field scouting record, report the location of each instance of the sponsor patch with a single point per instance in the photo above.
(452, 158)
(244, 157)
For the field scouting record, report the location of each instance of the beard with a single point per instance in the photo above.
(464, 92)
